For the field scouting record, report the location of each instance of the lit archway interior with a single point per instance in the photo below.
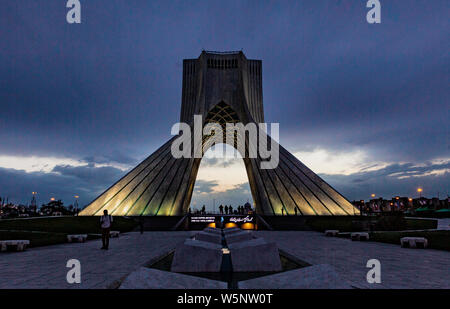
(221, 180)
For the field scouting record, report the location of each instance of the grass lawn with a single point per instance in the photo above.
(66, 225)
(436, 239)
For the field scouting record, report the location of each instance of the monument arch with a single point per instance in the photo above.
(222, 87)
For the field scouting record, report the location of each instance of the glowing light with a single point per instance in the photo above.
(419, 190)
(248, 226)
(230, 224)
(52, 199)
(397, 197)
(372, 195)
(212, 224)
(76, 196)
(410, 199)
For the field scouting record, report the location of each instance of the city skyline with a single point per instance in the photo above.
(361, 105)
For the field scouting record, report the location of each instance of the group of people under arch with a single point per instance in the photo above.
(240, 210)
(229, 210)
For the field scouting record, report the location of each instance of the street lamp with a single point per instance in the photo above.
(33, 201)
(372, 195)
(420, 191)
(76, 204)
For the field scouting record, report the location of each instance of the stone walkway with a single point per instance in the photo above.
(400, 267)
(45, 267)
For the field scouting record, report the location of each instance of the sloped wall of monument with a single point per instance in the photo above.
(160, 185)
(163, 185)
(291, 185)
(223, 88)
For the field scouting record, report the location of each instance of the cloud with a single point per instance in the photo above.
(216, 162)
(88, 174)
(64, 182)
(115, 156)
(394, 179)
(353, 102)
(342, 163)
(48, 164)
(222, 167)
(238, 195)
(35, 163)
(204, 187)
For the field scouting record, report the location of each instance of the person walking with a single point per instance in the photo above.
(105, 223)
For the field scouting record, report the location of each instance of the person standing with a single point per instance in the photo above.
(226, 209)
(221, 209)
(105, 222)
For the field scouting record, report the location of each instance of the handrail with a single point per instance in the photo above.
(175, 227)
(265, 222)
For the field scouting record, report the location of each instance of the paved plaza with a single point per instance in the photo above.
(45, 267)
(400, 267)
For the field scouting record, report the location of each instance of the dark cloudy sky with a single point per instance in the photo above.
(364, 105)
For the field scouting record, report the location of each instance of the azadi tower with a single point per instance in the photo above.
(223, 87)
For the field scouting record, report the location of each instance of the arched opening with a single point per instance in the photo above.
(221, 114)
(221, 180)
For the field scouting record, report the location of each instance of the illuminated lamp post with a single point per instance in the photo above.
(419, 190)
(76, 204)
(33, 202)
